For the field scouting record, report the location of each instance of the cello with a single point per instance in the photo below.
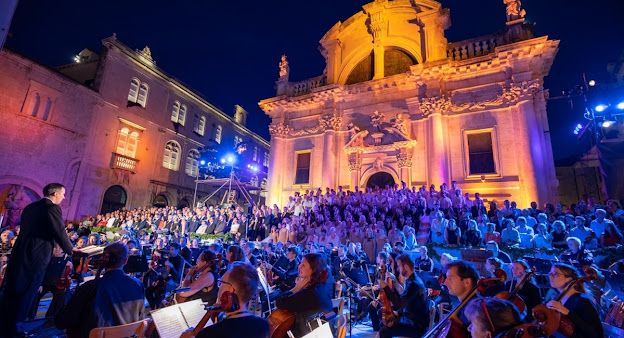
(228, 302)
(513, 296)
(451, 325)
(547, 321)
(388, 318)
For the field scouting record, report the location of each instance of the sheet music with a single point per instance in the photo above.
(193, 312)
(169, 321)
(323, 331)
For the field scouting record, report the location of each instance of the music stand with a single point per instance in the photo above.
(616, 282)
(136, 264)
(541, 265)
(430, 280)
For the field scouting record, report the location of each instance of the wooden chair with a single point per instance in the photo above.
(341, 327)
(135, 329)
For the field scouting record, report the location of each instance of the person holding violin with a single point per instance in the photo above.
(529, 292)
(413, 312)
(461, 278)
(115, 299)
(310, 294)
(575, 255)
(575, 304)
(57, 280)
(491, 317)
(241, 280)
(202, 279)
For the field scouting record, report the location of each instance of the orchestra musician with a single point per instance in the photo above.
(489, 317)
(311, 294)
(202, 279)
(156, 280)
(575, 305)
(341, 261)
(412, 303)
(424, 262)
(461, 278)
(530, 292)
(285, 278)
(242, 280)
(575, 255)
(56, 270)
(374, 306)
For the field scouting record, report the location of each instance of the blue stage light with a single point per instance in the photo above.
(600, 108)
(620, 105)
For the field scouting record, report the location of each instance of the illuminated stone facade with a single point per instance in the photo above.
(109, 125)
(396, 97)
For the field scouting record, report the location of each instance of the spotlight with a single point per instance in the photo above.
(620, 105)
(230, 159)
(579, 126)
(222, 160)
(601, 108)
(202, 162)
(606, 124)
(578, 129)
(592, 83)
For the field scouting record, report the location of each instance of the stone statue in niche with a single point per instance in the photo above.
(353, 130)
(284, 69)
(377, 120)
(514, 10)
(400, 123)
(15, 203)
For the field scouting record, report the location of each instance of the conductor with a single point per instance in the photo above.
(41, 226)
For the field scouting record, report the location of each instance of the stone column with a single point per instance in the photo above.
(378, 61)
(404, 162)
(529, 150)
(334, 59)
(277, 160)
(355, 167)
(329, 160)
(437, 146)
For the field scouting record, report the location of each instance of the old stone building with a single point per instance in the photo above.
(398, 103)
(114, 128)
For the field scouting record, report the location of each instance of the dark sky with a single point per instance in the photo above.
(229, 50)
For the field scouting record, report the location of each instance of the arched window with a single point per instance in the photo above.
(134, 90)
(36, 101)
(46, 112)
(142, 98)
(182, 116)
(175, 112)
(202, 125)
(171, 157)
(192, 164)
(218, 134)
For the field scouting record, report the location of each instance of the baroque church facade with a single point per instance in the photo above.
(115, 129)
(399, 103)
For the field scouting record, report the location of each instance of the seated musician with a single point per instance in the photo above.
(115, 299)
(490, 317)
(575, 255)
(342, 263)
(175, 262)
(374, 306)
(156, 281)
(234, 253)
(285, 278)
(461, 278)
(56, 270)
(530, 292)
(240, 279)
(491, 264)
(310, 295)
(575, 305)
(413, 313)
(424, 262)
(202, 279)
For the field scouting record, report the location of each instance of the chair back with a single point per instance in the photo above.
(135, 329)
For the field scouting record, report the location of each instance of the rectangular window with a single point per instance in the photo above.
(255, 154)
(266, 159)
(481, 153)
(302, 173)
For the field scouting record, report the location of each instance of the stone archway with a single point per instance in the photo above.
(13, 199)
(115, 198)
(380, 179)
(161, 201)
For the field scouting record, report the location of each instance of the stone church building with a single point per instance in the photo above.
(115, 129)
(397, 102)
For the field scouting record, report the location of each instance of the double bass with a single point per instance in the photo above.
(513, 296)
(451, 325)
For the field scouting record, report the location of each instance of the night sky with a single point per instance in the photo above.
(229, 50)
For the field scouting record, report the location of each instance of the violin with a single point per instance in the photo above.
(441, 280)
(64, 281)
(547, 321)
(451, 325)
(227, 302)
(513, 296)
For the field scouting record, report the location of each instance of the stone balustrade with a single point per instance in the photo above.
(470, 48)
(306, 86)
(123, 162)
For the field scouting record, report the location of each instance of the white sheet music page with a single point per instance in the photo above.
(169, 321)
(193, 312)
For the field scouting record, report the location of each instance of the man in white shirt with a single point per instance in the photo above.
(580, 230)
(600, 223)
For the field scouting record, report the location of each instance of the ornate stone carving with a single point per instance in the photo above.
(353, 130)
(284, 69)
(438, 104)
(146, 53)
(378, 164)
(404, 161)
(279, 130)
(514, 10)
(355, 165)
(377, 120)
(336, 122)
(399, 123)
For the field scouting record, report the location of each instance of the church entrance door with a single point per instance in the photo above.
(380, 179)
(114, 199)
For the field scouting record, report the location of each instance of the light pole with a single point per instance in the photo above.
(201, 163)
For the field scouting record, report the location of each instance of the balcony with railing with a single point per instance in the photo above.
(306, 86)
(474, 47)
(123, 162)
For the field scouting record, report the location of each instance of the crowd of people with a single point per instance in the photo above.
(302, 249)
